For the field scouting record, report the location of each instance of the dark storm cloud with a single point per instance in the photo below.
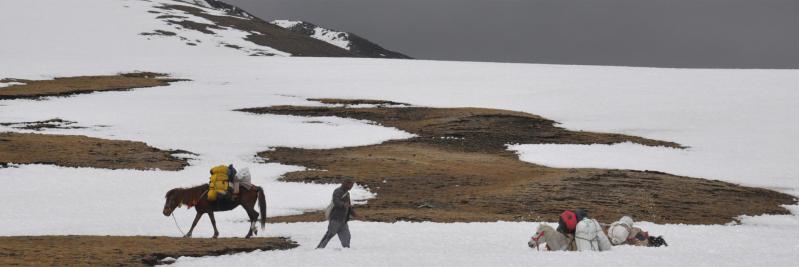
(666, 33)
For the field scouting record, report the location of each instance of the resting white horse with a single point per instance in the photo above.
(554, 240)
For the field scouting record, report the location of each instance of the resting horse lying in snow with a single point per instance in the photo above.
(554, 240)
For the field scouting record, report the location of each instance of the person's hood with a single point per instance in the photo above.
(580, 214)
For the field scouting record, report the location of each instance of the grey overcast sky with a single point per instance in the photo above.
(661, 33)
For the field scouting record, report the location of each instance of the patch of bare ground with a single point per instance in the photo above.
(123, 251)
(64, 86)
(82, 151)
(158, 32)
(55, 123)
(348, 102)
(465, 129)
(458, 170)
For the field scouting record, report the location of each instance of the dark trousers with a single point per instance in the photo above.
(336, 228)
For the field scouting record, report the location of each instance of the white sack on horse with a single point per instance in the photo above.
(619, 231)
(243, 178)
(589, 236)
(623, 232)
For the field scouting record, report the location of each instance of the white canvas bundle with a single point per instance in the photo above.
(589, 236)
(244, 175)
(619, 231)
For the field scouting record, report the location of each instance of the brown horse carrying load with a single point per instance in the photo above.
(220, 178)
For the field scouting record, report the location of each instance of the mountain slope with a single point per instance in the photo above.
(346, 40)
(254, 36)
(228, 8)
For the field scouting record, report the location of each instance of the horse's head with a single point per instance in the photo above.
(539, 237)
(172, 202)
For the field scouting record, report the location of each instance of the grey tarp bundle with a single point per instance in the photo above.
(589, 236)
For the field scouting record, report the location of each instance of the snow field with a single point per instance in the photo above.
(505, 244)
(85, 201)
(737, 123)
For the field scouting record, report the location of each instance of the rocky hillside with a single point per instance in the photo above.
(234, 28)
(349, 41)
(228, 8)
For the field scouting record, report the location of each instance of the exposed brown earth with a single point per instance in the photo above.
(64, 86)
(159, 32)
(458, 170)
(122, 251)
(82, 151)
(335, 101)
(55, 123)
(465, 129)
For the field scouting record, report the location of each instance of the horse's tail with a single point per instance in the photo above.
(262, 206)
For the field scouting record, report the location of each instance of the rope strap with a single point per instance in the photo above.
(176, 224)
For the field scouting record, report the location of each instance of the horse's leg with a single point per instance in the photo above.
(193, 224)
(253, 217)
(213, 222)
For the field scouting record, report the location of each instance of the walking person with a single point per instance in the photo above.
(340, 213)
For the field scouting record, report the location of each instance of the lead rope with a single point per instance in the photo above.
(176, 220)
(176, 224)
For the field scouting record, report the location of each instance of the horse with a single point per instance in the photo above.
(555, 241)
(197, 197)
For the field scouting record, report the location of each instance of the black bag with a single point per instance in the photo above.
(657, 241)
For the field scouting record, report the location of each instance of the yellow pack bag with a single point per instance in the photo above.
(219, 182)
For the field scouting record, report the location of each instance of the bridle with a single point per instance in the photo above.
(536, 238)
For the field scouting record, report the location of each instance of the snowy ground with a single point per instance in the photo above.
(498, 244)
(737, 123)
